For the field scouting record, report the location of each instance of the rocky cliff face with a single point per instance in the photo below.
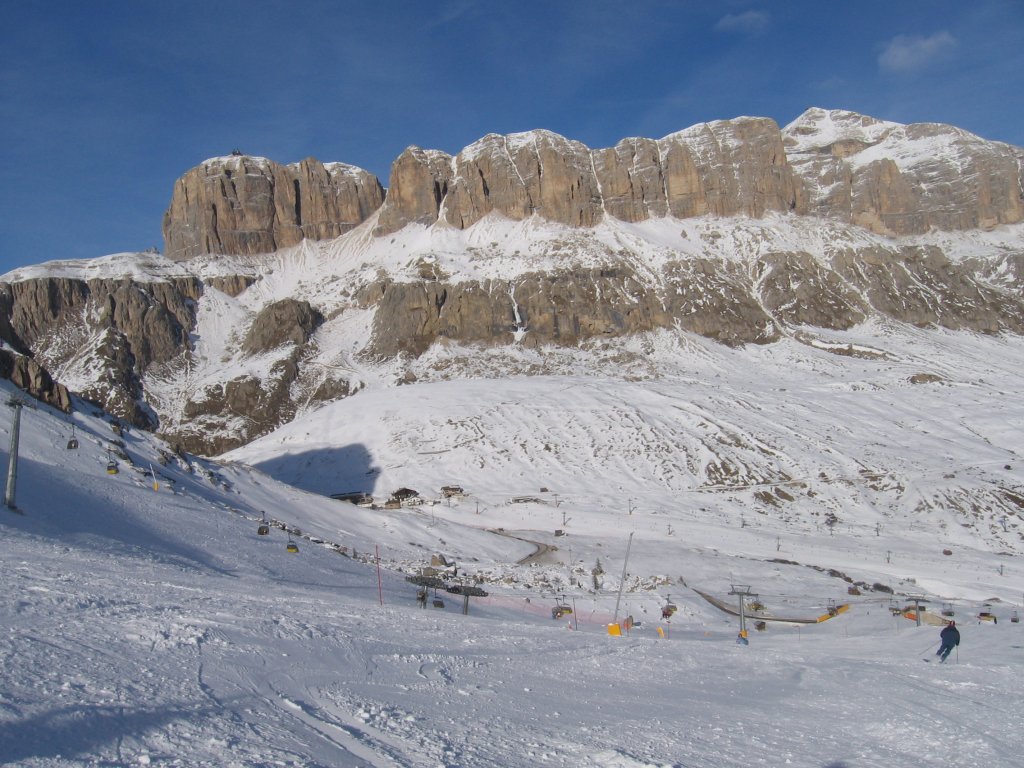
(903, 179)
(117, 329)
(247, 205)
(888, 178)
(723, 168)
(108, 338)
(418, 185)
(729, 302)
(28, 375)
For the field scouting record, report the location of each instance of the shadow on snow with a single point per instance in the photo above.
(326, 471)
(58, 508)
(82, 729)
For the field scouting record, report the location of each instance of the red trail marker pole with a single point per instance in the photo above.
(380, 588)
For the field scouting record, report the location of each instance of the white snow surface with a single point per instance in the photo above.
(155, 627)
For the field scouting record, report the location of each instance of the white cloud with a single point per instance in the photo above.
(749, 22)
(912, 53)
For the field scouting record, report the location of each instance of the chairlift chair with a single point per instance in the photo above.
(73, 442)
(263, 529)
(111, 464)
(1014, 618)
(560, 609)
(292, 546)
(668, 609)
(947, 609)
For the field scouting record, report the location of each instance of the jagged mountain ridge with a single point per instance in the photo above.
(889, 178)
(220, 348)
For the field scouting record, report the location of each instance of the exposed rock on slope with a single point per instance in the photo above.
(723, 300)
(27, 374)
(904, 179)
(418, 185)
(723, 168)
(247, 205)
(116, 329)
(286, 321)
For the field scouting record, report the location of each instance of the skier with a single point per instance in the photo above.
(950, 637)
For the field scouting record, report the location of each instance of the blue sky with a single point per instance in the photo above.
(104, 104)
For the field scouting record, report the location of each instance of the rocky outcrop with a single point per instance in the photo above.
(921, 286)
(111, 336)
(727, 168)
(722, 168)
(290, 321)
(417, 187)
(903, 179)
(797, 290)
(726, 301)
(117, 329)
(248, 205)
(232, 285)
(26, 374)
(46, 315)
(260, 404)
(632, 175)
(521, 175)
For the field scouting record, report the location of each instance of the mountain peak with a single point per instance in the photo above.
(818, 128)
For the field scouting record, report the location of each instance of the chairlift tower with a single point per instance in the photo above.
(12, 464)
(743, 592)
(918, 602)
(467, 591)
(622, 581)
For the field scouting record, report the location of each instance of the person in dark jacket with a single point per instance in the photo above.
(950, 636)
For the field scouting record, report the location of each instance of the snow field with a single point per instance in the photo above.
(156, 628)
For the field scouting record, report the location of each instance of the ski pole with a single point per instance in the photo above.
(928, 647)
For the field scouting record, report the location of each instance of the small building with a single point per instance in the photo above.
(452, 490)
(358, 498)
(406, 497)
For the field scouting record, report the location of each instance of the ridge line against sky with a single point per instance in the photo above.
(104, 105)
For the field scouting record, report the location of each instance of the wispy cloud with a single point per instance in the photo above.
(913, 53)
(452, 12)
(749, 22)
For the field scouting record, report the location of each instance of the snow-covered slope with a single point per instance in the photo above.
(155, 627)
(759, 447)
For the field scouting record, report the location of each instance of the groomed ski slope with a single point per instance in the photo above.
(154, 627)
